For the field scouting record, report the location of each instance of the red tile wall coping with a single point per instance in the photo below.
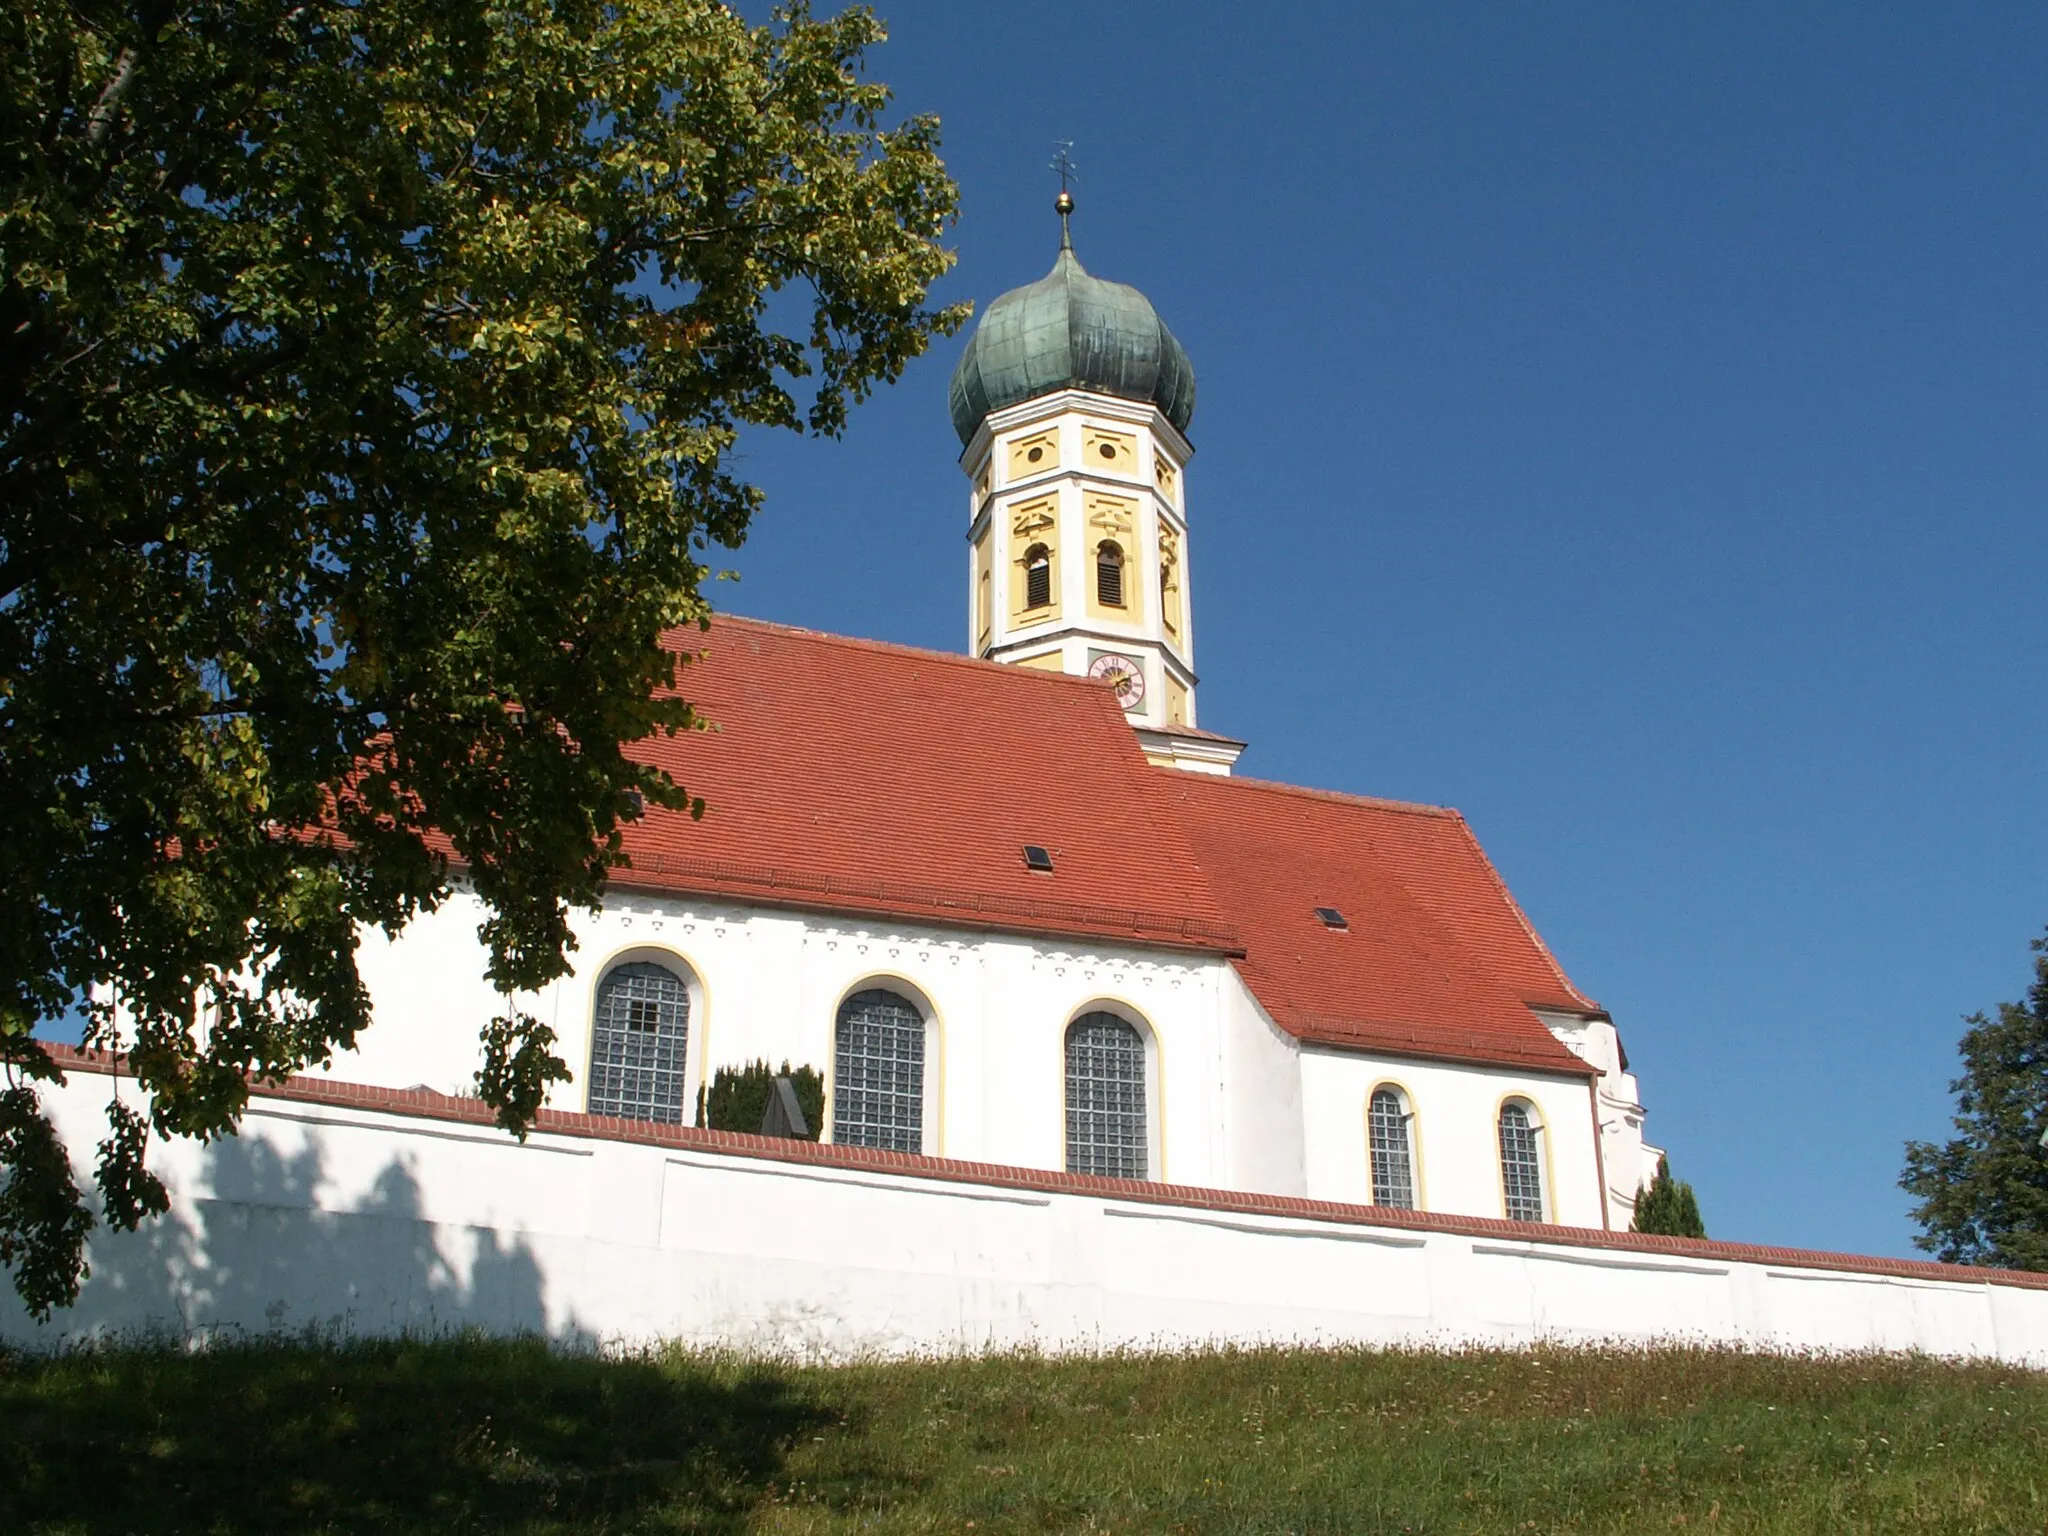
(425, 1104)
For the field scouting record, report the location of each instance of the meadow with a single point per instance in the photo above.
(473, 1435)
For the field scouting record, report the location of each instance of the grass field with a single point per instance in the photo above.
(468, 1435)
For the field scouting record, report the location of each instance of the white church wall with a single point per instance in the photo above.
(349, 1219)
(1626, 1159)
(1457, 1152)
(1236, 1103)
(767, 983)
(429, 1001)
(1262, 1066)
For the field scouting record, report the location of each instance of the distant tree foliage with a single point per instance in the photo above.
(738, 1097)
(368, 373)
(1984, 1195)
(1668, 1207)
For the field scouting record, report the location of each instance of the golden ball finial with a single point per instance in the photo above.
(1064, 203)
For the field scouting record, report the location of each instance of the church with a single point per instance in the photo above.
(1016, 906)
(1120, 1048)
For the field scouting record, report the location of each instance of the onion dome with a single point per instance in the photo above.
(1070, 331)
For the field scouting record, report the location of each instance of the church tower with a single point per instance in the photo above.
(1072, 401)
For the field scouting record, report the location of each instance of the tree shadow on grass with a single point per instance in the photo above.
(452, 1435)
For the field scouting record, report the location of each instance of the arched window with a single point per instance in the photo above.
(878, 1073)
(1106, 1098)
(1038, 577)
(1521, 1163)
(638, 1042)
(1109, 574)
(1393, 1149)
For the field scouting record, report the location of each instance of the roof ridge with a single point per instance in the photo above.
(983, 664)
(1335, 796)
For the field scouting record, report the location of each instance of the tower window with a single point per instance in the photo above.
(638, 1043)
(1109, 574)
(1037, 577)
(1392, 1149)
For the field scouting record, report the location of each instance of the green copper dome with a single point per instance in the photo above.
(1070, 331)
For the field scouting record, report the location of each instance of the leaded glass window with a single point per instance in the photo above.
(639, 1039)
(1106, 1098)
(1393, 1153)
(1521, 1165)
(878, 1073)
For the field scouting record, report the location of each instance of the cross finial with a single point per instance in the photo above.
(1063, 162)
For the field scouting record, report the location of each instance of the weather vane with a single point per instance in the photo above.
(1063, 162)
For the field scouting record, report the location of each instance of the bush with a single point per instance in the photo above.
(738, 1097)
(1668, 1207)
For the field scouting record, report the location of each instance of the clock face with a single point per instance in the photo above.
(1122, 674)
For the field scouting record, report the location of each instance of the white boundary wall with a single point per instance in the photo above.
(351, 1220)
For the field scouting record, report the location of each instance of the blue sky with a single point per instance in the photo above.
(1623, 423)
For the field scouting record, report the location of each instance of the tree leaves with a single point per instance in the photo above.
(1668, 1206)
(42, 1220)
(1984, 1194)
(367, 375)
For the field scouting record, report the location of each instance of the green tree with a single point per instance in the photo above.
(368, 372)
(1668, 1207)
(1984, 1195)
(738, 1097)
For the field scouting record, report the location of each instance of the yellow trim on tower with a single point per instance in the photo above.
(984, 598)
(1114, 520)
(1034, 524)
(1109, 453)
(1046, 445)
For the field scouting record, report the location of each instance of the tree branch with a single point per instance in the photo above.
(101, 118)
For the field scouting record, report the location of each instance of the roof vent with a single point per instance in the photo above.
(1332, 918)
(1037, 859)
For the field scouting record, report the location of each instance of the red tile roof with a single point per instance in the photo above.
(852, 776)
(855, 777)
(1437, 960)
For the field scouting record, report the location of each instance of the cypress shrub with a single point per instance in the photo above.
(738, 1097)
(1668, 1207)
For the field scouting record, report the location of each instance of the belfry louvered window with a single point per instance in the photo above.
(639, 1040)
(1037, 577)
(1109, 574)
(1393, 1150)
(1521, 1164)
(878, 1073)
(1106, 1098)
